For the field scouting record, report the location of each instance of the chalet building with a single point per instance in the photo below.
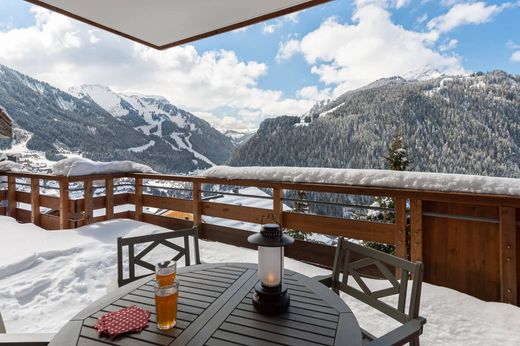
(6, 124)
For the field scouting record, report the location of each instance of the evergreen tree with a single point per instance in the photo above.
(300, 206)
(397, 160)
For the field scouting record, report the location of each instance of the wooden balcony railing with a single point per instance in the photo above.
(467, 241)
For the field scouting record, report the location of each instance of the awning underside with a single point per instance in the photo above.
(166, 23)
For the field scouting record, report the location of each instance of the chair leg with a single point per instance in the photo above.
(415, 342)
(196, 243)
(2, 325)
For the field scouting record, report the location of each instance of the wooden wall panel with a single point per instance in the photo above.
(463, 255)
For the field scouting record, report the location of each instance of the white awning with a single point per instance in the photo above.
(163, 24)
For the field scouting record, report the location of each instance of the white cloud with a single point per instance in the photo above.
(312, 92)
(272, 27)
(292, 17)
(226, 122)
(422, 18)
(451, 44)
(287, 49)
(401, 3)
(465, 14)
(515, 57)
(512, 45)
(348, 56)
(66, 53)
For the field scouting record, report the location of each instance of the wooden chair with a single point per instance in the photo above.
(155, 240)
(345, 266)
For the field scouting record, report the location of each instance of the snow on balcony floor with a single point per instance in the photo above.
(46, 277)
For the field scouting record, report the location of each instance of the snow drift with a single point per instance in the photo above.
(77, 166)
(373, 178)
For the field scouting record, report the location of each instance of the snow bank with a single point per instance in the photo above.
(10, 166)
(76, 166)
(47, 277)
(373, 178)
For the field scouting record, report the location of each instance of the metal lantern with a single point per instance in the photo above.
(270, 295)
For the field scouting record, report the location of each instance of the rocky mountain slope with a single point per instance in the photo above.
(102, 125)
(458, 124)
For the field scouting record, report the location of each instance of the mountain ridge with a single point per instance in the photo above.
(60, 124)
(453, 124)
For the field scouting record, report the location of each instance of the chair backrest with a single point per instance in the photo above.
(350, 258)
(154, 240)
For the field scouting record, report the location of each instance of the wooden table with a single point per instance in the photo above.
(215, 308)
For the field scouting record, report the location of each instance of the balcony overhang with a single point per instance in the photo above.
(163, 24)
(6, 125)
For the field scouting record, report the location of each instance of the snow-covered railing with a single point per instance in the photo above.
(468, 239)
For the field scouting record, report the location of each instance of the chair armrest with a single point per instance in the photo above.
(401, 335)
(324, 279)
(26, 339)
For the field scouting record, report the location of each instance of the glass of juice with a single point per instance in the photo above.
(165, 273)
(166, 305)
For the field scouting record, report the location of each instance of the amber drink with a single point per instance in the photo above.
(166, 305)
(165, 273)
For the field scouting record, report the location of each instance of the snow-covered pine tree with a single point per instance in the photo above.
(300, 206)
(397, 160)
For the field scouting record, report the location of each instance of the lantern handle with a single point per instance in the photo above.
(270, 216)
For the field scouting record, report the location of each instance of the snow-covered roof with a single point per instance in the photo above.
(6, 124)
(164, 23)
(373, 178)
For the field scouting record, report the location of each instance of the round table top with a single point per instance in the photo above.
(215, 308)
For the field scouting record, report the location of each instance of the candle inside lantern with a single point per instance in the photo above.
(270, 264)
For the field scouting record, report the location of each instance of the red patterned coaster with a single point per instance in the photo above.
(131, 319)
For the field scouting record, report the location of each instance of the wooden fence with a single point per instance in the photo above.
(467, 242)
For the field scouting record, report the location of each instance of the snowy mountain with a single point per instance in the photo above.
(456, 124)
(97, 123)
(155, 116)
(239, 136)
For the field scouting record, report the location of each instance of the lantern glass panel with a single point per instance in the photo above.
(270, 265)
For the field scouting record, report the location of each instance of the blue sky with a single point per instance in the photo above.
(282, 66)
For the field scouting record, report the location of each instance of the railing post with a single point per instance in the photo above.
(400, 227)
(11, 196)
(138, 198)
(88, 201)
(35, 201)
(416, 232)
(197, 208)
(278, 206)
(109, 198)
(508, 283)
(64, 203)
